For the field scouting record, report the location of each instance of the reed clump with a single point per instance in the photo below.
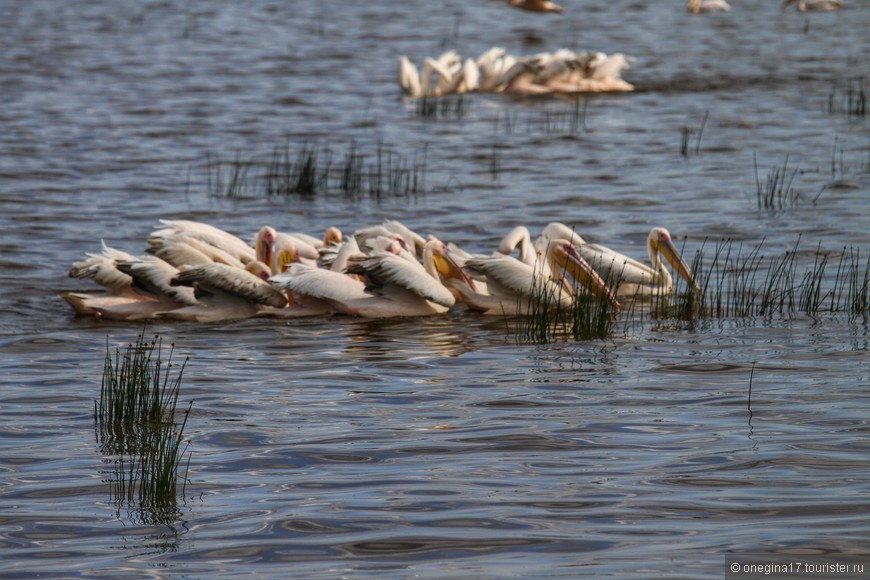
(305, 174)
(734, 281)
(739, 282)
(560, 119)
(451, 108)
(311, 171)
(228, 178)
(495, 160)
(584, 316)
(777, 191)
(391, 173)
(563, 120)
(136, 427)
(851, 101)
(686, 150)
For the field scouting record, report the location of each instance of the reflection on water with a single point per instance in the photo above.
(441, 447)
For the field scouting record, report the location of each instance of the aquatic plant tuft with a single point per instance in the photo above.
(136, 427)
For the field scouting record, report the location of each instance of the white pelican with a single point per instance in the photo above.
(183, 249)
(447, 69)
(209, 234)
(566, 71)
(394, 285)
(469, 79)
(609, 70)
(223, 293)
(523, 77)
(513, 286)
(278, 249)
(707, 6)
(301, 303)
(561, 70)
(519, 237)
(331, 235)
(101, 269)
(136, 287)
(491, 65)
(458, 79)
(815, 5)
(409, 78)
(630, 277)
(536, 6)
(319, 291)
(412, 240)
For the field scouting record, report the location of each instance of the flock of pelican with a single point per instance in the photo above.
(562, 71)
(194, 271)
(496, 71)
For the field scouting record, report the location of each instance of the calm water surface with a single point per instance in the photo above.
(437, 448)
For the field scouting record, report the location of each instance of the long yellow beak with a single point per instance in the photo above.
(266, 249)
(582, 272)
(448, 268)
(669, 251)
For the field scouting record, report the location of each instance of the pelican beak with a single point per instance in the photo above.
(669, 251)
(582, 272)
(266, 250)
(449, 269)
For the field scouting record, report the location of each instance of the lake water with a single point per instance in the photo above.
(441, 447)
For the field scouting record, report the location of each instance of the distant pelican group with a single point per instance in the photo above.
(193, 271)
(496, 71)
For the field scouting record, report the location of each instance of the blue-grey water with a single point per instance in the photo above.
(441, 447)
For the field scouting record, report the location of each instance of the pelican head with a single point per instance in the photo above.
(660, 242)
(264, 245)
(284, 253)
(332, 235)
(258, 269)
(445, 266)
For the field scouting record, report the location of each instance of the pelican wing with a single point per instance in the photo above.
(101, 270)
(210, 277)
(389, 269)
(614, 266)
(526, 65)
(217, 237)
(152, 276)
(336, 288)
(504, 274)
(184, 249)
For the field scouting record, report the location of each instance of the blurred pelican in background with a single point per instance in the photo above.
(707, 6)
(815, 5)
(536, 6)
